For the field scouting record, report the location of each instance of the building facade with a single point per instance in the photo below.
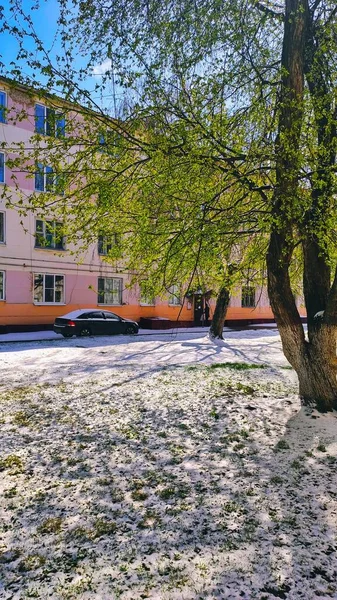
(40, 275)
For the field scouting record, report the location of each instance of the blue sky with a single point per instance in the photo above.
(45, 24)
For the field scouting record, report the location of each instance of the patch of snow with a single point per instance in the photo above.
(158, 467)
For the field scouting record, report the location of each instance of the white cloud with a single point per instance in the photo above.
(102, 68)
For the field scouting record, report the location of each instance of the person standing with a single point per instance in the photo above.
(207, 311)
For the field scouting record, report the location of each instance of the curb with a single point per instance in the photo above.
(146, 332)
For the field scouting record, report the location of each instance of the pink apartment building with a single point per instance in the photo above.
(39, 277)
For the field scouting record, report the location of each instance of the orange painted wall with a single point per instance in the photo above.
(30, 314)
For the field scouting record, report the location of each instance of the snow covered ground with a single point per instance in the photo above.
(165, 467)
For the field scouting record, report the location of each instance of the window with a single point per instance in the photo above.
(2, 228)
(49, 122)
(48, 234)
(105, 243)
(2, 167)
(110, 290)
(110, 143)
(146, 295)
(48, 289)
(47, 181)
(2, 285)
(248, 297)
(111, 316)
(175, 295)
(3, 107)
(44, 179)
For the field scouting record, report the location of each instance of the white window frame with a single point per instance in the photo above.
(3, 294)
(57, 117)
(3, 240)
(5, 106)
(42, 170)
(44, 275)
(120, 291)
(52, 225)
(175, 295)
(4, 178)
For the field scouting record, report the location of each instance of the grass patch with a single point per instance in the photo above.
(282, 445)
(139, 495)
(13, 463)
(276, 480)
(180, 491)
(104, 527)
(237, 366)
(31, 562)
(11, 492)
(21, 418)
(51, 525)
(231, 507)
(248, 390)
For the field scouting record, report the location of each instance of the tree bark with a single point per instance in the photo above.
(222, 301)
(314, 359)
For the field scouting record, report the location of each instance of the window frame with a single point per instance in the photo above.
(251, 294)
(105, 243)
(174, 299)
(54, 302)
(144, 299)
(3, 108)
(51, 119)
(54, 224)
(3, 226)
(49, 178)
(101, 292)
(106, 142)
(3, 287)
(3, 180)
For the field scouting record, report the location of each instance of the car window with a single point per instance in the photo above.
(95, 315)
(83, 316)
(111, 316)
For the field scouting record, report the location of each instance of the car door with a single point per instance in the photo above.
(114, 325)
(96, 322)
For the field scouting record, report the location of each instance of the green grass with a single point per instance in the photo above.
(104, 527)
(139, 495)
(248, 390)
(21, 418)
(237, 366)
(282, 445)
(51, 525)
(31, 562)
(12, 462)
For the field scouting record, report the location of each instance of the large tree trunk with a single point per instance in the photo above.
(314, 359)
(218, 319)
(317, 371)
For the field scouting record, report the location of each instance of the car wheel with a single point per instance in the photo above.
(85, 332)
(130, 330)
(67, 335)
